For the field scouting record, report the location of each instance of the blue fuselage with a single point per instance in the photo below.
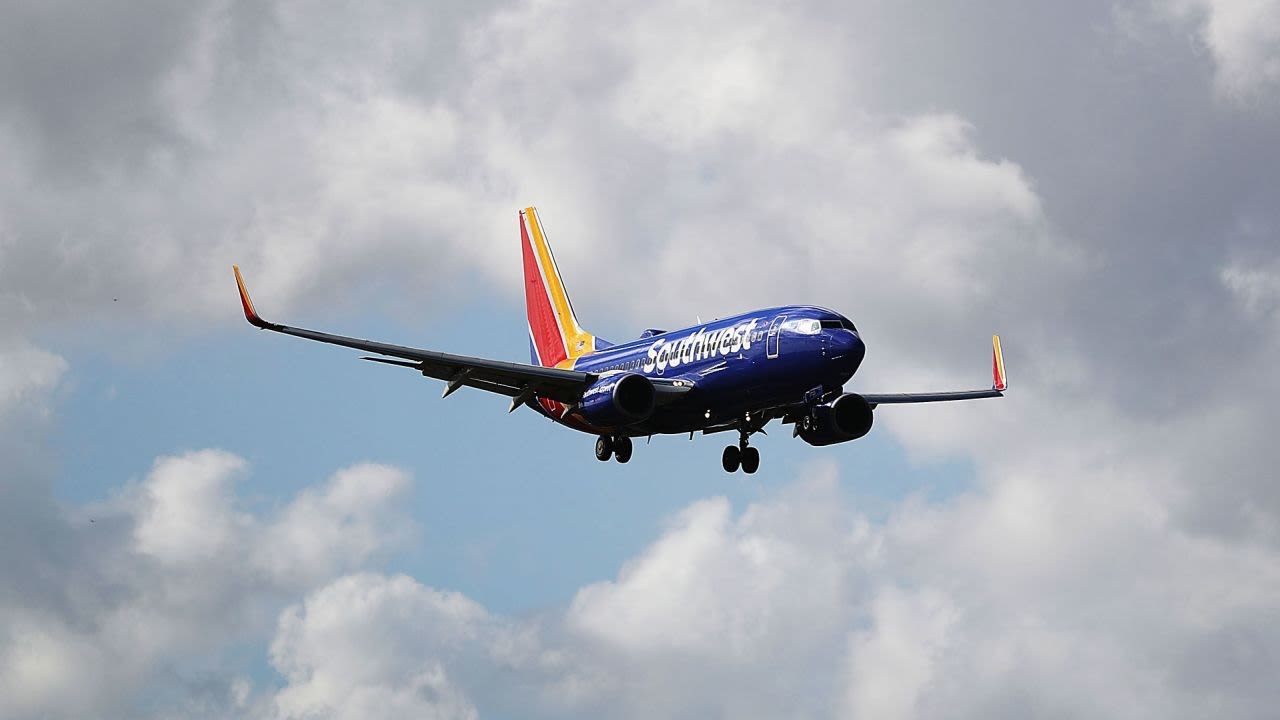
(744, 364)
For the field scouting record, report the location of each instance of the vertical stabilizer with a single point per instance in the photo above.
(554, 333)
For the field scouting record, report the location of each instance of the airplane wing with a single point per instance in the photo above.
(515, 380)
(998, 386)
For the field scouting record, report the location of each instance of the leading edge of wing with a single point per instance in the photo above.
(551, 382)
(998, 386)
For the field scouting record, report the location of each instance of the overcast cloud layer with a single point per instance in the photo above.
(1100, 181)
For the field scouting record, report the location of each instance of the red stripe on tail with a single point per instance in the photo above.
(543, 328)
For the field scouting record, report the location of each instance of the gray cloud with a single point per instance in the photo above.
(1080, 177)
(140, 601)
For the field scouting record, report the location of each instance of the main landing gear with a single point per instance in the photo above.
(617, 447)
(741, 455)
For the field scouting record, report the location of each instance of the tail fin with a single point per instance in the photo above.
(555, 336)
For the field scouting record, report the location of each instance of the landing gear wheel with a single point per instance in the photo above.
(604, 448)
(622, 448)
(750, 460)
(731, 459)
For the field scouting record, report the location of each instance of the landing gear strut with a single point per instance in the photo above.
(618, 447)
(741, 455)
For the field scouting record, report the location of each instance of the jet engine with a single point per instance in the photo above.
(618, 400)
(848, 417)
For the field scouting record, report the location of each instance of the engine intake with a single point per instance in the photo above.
(848, 417)
(618, 400)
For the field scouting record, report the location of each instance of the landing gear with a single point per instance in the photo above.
(741, 455)
(616, 447)
(622, 448)
(731, 459)
(604, 448)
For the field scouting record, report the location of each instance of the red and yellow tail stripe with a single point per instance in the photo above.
(557, 337)
(997, 365)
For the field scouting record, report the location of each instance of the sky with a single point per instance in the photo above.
(201, 520)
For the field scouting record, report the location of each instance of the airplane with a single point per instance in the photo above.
(734, 374)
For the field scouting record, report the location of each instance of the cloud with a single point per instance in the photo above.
(28, 375)
(1244, 38)
(166, 577)
(937, 173)
(1256, 288)
(372, 644)
(1004, 604)
(238, 139)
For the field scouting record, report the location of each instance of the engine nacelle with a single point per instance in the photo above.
(848, 417)
(618, 400)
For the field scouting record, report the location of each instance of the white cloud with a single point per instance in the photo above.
(1256, 288)
(368, 644)
(168, 575)
(892, 664)
(187, 517)
(1244, 38)
(1042, 595)
(27, 377)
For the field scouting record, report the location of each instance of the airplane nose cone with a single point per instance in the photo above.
(846, 350)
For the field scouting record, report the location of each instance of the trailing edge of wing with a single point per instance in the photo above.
(998, 386)
(507, 378)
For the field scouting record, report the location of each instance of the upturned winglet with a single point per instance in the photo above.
(997, 365)
(249, 313)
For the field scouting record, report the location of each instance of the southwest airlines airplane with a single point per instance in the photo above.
(734, 374)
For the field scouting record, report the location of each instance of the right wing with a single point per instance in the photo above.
(515, 380)
(998, 386)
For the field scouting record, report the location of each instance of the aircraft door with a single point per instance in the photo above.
(771, 340)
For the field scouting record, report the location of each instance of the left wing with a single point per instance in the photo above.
(998, 386)
(515, 380)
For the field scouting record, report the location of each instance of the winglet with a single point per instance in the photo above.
(997, 365)
(249, 313)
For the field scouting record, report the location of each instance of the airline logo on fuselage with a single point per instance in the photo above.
(701, 345)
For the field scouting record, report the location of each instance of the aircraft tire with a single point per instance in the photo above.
(622, 448)
(731, 459)
(604, 448)
(750, 460)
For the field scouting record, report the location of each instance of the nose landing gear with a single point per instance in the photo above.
(618, 447)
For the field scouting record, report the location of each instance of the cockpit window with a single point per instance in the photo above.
(803, 326)
(837, 324)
